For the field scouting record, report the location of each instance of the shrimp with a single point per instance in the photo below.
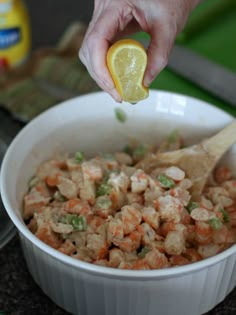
(115, 231)
(49, 167)
(209, 250)
(116, 257)
(178, 260)
(67, 248)
(77, 206)
(98, 246)
(34, 200)
(222, 174)
(156, 259)
(67, 187)
(201, 214)
(83, 253)
(230, 186)
(175, 173)
(46, 235)
(140, 264)
(147, 232)
(92, 171)
(203, 232)
(131, 218)
(119, 181)
(182, 195)
(170, 208)
(174, 243)
(192, 255)
(139, 181)
(151, 216)
(131, 242)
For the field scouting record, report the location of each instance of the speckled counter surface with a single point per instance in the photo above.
(18, 292)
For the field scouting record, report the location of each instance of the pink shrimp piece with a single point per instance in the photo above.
(178, 260)
(140, 264)
(201, 214)
(46, 235)
(131, 218)
(221, 236)
(33, 201)
(98, 245)
(72, 165)
(87, 191)
(119, 181)
(67, 248)
(134, 198)
(67, 187)
(139, 181)
(209, 250)
(91, 170)
(151, 216)
(190, 233)
(230, 186)
(94, 223)
(192, 255)
(174, 243)
(116, 257)
(203, 232)
(156, 260)
(206, 203)
(101, 262)
(185, 217)
(48, 167)
(84, 254)
(77, 206)
(118, 199)
(115, 231)
(222, 174)
(170, 208)
(175, 173)
(159, 245)
(185, 184)
(125, 265)
(232, 217)
(181, 194)
(131, 242)
(147, 232)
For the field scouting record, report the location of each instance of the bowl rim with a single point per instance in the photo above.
(89, 267)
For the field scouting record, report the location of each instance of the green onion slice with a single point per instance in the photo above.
(120, 115)
(79, 157)
(166, 181)
(215, 223)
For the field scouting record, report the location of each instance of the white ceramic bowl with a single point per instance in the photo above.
(88, 123)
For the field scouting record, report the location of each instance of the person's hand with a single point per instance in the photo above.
(112, 19)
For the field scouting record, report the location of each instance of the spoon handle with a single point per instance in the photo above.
(218, 144)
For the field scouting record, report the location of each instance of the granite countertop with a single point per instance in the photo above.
(19, 294)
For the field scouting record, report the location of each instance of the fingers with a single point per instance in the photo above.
(101, 32)
(96, 65)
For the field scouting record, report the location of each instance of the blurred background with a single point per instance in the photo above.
(49, 19)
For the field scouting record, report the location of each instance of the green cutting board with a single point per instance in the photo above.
(211, 32)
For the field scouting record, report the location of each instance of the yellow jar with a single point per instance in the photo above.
(15, 33)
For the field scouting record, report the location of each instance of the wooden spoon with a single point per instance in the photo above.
(198, 161)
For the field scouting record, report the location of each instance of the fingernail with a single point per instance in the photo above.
(115, 95)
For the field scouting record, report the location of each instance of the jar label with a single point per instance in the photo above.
(9, 37)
